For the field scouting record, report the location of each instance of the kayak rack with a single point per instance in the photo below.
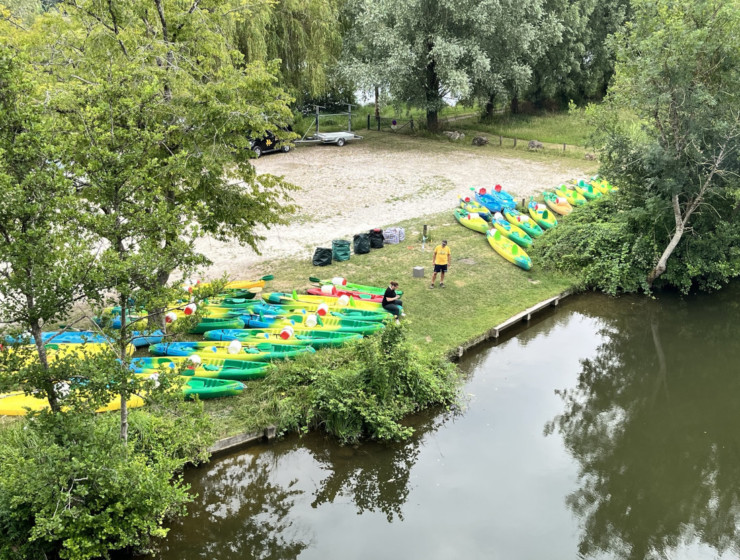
(338, 138)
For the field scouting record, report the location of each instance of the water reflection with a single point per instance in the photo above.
(250, 505)
(239, 513)
(653, 423)
(374, 477)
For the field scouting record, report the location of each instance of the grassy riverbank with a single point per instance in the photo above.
(482, 290)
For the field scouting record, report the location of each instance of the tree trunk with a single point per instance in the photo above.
(490, 106)
(432, 90)
(123, 302)
(51, 393)
(675, 239)
(514, 105)
(377, 104)
(432, 120)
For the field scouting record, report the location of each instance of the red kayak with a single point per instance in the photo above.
(334, 292)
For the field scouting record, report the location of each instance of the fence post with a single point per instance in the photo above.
(500, 141)
(412, 124)
(515, 141)
(368, 121)
(563, 146)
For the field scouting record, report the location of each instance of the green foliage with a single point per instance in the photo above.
(70, 487)
(303, 35)
(580, 63)
(677, 158)
(604, 244)
(361, 391)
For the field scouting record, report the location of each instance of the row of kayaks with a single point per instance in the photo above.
(510, 232)
(252, 332)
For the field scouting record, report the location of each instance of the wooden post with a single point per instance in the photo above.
(500, 140)
(368, 121)
(515, 141)
(563, 146)
(412, 124)
(317, 119)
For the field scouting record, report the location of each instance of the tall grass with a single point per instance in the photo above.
(569, 127)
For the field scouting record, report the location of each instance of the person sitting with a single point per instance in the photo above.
(392, 301)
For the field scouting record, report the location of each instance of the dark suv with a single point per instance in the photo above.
(269, 143)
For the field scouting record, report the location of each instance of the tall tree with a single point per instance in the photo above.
(515, 36)
(579, 63)
(157, 107)
(420, 50)
(303, 35)
(679, 73)
(45, 267)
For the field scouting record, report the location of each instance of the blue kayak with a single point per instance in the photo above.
(140, 339)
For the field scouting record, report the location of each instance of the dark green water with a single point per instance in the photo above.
(607, 429)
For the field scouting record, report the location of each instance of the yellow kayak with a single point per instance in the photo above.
(62, 350)
(557, 203)
(508, 249)
(573, 197)
(345, 302)
(17, 403)
(542, 216)
(470, 205)
(471, 220)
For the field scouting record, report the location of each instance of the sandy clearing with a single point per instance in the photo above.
(361, 186)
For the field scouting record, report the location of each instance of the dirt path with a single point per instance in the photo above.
(366, 184)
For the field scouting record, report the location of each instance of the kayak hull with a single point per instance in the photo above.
(509, 250)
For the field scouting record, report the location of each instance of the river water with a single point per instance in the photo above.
(608, 428)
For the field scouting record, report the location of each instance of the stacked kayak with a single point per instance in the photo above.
(557, 203)
(473, 207)
(238, 370)
(573, 197)
(55, 351)
(315, 338)
(332, 291)
(342, 283)
(320, 309)
(491, 202)
(310, 322)
(471, 220)
(506, 199)
(524, 222)
(588, 190)
(280, 298)
(259, 353)
(512, 232)
(509, 250)
(112, 318)
(540, 214)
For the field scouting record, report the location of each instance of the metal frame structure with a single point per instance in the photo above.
(338, 138)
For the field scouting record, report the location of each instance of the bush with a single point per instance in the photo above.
(363, 390)
(70, 488)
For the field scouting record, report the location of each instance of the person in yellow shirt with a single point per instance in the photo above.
(440, 260)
